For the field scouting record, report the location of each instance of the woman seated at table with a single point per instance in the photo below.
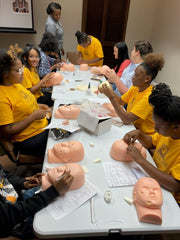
(21, 120)
(90, 49)
(165, 141)
(139, 110)
(17, 209)
(31, 81)
(121, 57)
(49, 53)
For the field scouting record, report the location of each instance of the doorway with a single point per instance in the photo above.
(107, 21)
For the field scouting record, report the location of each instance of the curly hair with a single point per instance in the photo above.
(49, 43)
(165, 105)
(8, 59)
(153, 63)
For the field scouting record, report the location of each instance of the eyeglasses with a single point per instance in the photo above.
(20, 70)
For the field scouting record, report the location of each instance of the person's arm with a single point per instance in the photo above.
(114, 78)
(134, 135)
(12, 214)
(117, 103)
(41, 83)
(95, 60)
(165, 180)
(14, 128)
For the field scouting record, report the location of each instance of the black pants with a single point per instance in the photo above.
(46, 99)
(35, 146)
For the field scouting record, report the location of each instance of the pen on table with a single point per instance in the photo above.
(92, 210)
(95, 79)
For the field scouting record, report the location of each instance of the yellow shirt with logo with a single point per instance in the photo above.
(16, 104)
(94, 50)
(167, 157)
(30, 79)
(138, 104)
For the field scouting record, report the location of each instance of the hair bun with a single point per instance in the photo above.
(161, 95)
(78, 34)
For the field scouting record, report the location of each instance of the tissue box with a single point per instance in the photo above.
(97, 125)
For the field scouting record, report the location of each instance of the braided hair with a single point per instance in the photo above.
(165, 105)
(152, 64)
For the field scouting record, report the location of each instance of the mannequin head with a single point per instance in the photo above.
(68, 67)
(66, 152)
(53, 174)
(104, 69)
(119, 148)
(148, 200)
(111, 109)
(55, 79)
(67, 112)
(83, 67)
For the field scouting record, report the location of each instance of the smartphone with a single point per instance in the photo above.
(59, 133)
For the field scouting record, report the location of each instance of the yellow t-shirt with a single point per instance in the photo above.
(167, 156)
(16, 104)
(30, 79)
(94, 50)
(138, 104)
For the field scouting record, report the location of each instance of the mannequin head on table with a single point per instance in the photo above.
(66, 152)
(148, 200)
(53, 174)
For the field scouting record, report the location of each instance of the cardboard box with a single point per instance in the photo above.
(97, 125)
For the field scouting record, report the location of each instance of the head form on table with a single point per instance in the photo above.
(119, 151)
(148, 199)
(53, 174)
(66, 152)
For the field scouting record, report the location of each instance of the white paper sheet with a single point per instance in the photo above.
(57, 123)
(122, 173)
(71, 200)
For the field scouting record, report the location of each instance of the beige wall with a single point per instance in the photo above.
(153, 20)
(166, 40)
(71, 21)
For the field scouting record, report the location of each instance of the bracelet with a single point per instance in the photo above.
(111, 97)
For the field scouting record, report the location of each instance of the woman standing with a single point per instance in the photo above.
(54, 26)
(90, 49)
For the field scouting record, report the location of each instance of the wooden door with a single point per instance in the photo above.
(106, 20)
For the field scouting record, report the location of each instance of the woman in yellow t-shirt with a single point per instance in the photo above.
(90, 49)
(139, 110)
(166, 140)
(21, 120)
(31, 81)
